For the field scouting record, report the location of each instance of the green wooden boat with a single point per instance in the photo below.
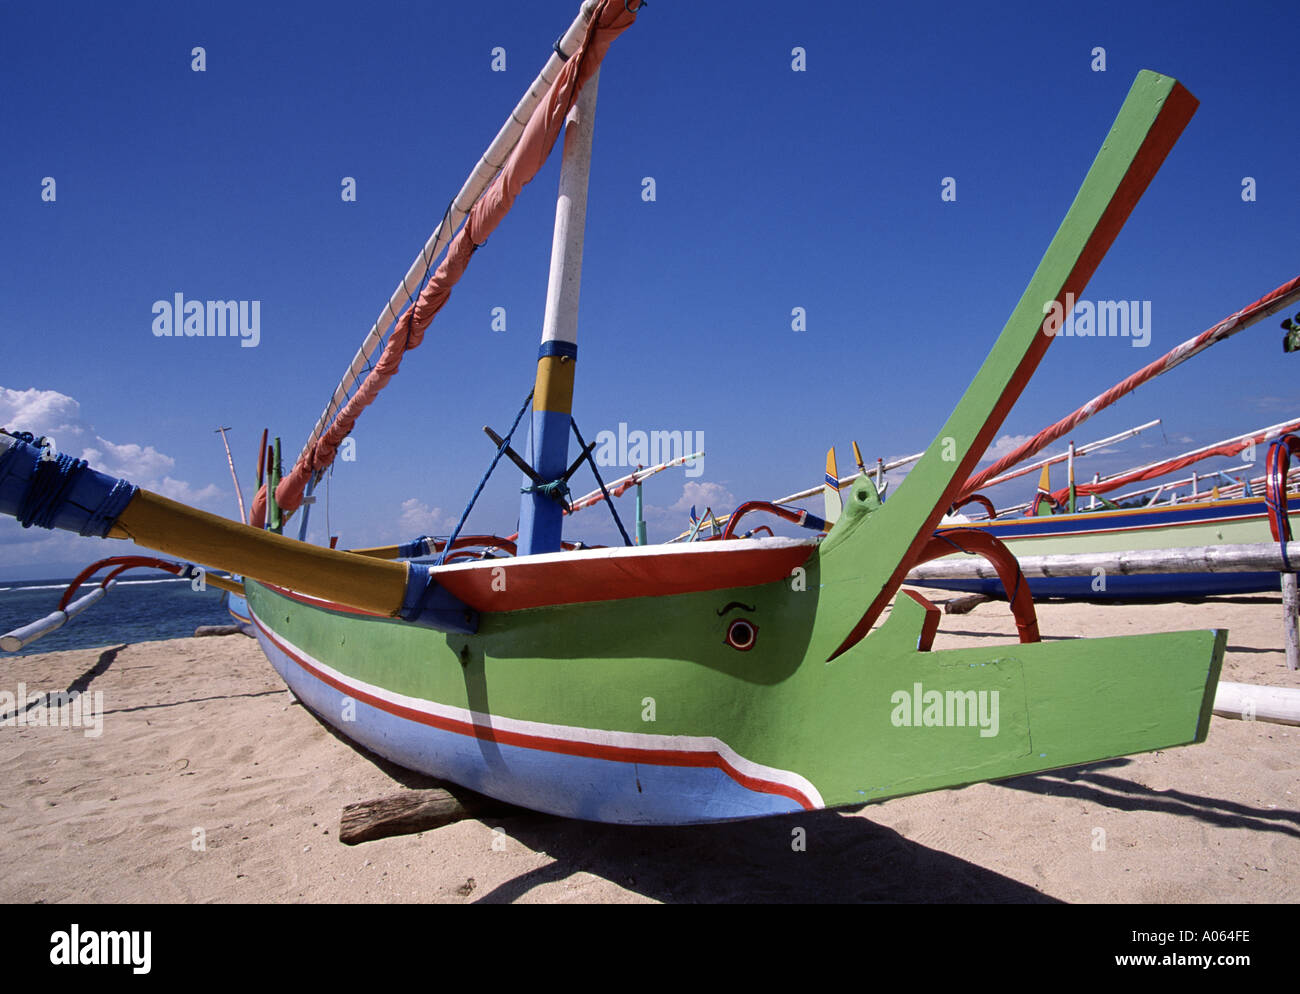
(710, 681)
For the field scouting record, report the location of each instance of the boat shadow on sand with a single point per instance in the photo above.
(844, 857)
(1093, 784)
(818, 856)
(847, 859)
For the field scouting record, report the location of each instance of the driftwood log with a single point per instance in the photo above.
(203, 630)
(415, 811)
(966, 604)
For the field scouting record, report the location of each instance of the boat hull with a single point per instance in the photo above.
(561, 770)
(642, 711)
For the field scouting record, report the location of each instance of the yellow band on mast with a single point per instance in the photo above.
(554, 385)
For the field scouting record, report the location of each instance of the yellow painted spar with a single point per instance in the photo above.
(224, 583)
(357, 581)
(378, 552)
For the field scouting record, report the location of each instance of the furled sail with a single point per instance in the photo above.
(608, 19)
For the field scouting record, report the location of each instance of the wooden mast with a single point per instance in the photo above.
(541, 514)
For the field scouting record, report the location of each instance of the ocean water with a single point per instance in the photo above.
(140, 608)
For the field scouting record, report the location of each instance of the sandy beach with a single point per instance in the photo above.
(210, 783)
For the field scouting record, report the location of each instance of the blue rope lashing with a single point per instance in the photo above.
(1016, 589)
(953, 543)
(501, 450)
(113, 504)
(599, 482)
(557, 490)
(45, 495)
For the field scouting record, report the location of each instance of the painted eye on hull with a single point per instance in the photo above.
(742, 634)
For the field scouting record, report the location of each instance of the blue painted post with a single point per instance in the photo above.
(307, 501)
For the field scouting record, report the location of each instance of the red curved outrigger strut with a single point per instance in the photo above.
(978, 542)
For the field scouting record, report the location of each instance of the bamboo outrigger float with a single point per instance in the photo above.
(695, 682)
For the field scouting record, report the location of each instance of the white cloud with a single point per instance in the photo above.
(45, 412)
(181, 491)
(58, 416)
(1004, 446)
(665, 522)
(703, 495)
(132, 462)
(1268, 403)
(418, 518)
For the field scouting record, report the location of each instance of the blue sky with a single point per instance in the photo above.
(775, 189)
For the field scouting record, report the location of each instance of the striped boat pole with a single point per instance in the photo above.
(541, 515)
(831, 488)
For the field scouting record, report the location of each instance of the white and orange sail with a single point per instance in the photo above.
(491, 189)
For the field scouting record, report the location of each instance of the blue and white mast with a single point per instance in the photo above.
(541, 515)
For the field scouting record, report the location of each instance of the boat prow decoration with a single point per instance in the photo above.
(1153, 116)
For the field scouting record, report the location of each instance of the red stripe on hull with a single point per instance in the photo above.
(621, 754)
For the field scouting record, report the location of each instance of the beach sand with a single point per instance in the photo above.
(203, 744)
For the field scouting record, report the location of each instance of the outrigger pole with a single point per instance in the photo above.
(1278, 299)
(1080, 450)
(1162, 467)
(878, 472)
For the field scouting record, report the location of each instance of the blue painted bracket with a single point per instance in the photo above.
(431, 605)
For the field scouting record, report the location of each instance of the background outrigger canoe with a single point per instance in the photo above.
(1241, 521)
